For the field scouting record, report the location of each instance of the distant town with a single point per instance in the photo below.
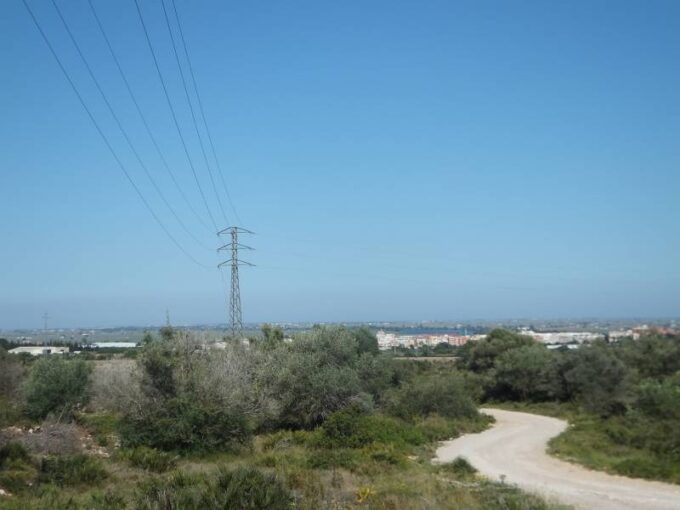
(554, 333)
(552, 339)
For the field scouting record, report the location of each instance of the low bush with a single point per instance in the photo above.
(443, 394)
(56, 385)
(149, 458)
(184, 424)
(354, 428)
(70, 470)
(460, 468)
(17, 471)
(332, 459)
(243, 488)
(287, 438)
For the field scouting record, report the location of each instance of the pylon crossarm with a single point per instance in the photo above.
(239, 230)
(230, 246)
(235, 263)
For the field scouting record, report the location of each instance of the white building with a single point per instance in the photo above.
(37, 350)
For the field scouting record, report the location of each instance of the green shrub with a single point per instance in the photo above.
(460, 468)
(599, 380)
(149, 459)
(16, 468)
(312, 377)
(250, 488)
(185, 424)
(78, 469)
(354, 428)
(243, 488)
(337, 458)
(286, 438)
(56, 385)
(659, 399)
(12, 452)
(442, 394)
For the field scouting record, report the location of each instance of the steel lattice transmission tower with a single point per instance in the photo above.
(235, 316)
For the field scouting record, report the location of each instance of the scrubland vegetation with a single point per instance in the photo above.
(325, 421)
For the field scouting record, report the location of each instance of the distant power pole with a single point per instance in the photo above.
(235, 316)
(45, 317)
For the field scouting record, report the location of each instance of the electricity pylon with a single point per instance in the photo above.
(235, 317)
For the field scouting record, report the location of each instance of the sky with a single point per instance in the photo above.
(431, 160)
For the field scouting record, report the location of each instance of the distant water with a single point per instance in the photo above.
(418, 330)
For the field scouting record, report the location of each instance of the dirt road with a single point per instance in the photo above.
(514, 449)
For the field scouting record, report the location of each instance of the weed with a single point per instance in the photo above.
(76, 469)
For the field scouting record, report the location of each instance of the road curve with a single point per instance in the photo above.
(514, 448)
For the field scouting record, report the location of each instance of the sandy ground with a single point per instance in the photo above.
(514, 450)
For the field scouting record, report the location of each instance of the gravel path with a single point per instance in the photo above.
(514, 449)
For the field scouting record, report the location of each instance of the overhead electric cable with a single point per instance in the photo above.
(193, 114)
(174, 115)
(200, 109)
(105, 138)
(120, 125)
(142, 116)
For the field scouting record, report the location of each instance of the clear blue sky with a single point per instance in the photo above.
(398, 160)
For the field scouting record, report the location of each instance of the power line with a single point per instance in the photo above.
(205, 123)
(191, 109)
(105, 138)
(142, 116)
(120, 125)
(174, 115)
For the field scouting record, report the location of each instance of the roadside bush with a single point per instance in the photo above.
(527, 373)
(442, 394)
(242, 488)
(354, 428)
(599, 381)
(56, 385)
(149, 459)
(460, 468)
(659, 399)
(68, 470)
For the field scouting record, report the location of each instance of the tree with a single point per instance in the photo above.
(56, 385)
(599, 380)
(527, 373)
(366, 341)
(482, 355)
(313, 376)
(179, 406)
(652, 356)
